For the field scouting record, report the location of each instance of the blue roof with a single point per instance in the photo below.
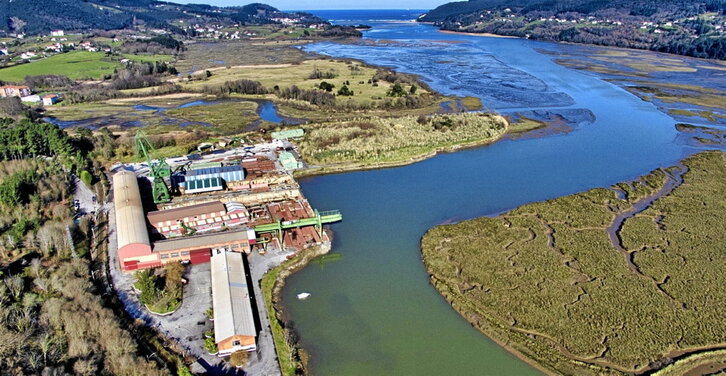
(214, 170)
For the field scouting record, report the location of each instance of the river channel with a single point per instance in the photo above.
(373, 311)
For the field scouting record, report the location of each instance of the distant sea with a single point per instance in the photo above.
(358, 16)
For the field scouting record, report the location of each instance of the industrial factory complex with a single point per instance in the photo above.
(221, 208)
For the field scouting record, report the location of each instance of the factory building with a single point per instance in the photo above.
(197, 249)
(135, 251)
(234, 323)
(134, 247)
(197, 218)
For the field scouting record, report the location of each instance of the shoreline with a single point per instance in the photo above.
(505, 334)
(271, 286)
(340, 168)
(361, 166)
(490, 35)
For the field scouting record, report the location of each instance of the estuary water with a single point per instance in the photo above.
(373, 312)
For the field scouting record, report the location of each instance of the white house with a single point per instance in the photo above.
(57, 33)
(50, 99)
(31, 98)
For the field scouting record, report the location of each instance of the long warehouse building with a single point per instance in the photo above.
(134, 247)
(234, 322)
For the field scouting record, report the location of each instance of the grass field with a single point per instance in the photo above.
(546, 281)
(76, 65)
(355, 74)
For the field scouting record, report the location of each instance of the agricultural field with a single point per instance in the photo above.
(75, 65)
(548, 282)
(397, 140)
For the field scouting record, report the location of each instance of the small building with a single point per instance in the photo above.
(288, 161)
(14, 91)
(57, 33)
(288, 133)
(50, 99)
(31, 99)
(234, 321)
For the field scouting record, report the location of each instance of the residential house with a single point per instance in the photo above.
(50, 99)
(14, 91)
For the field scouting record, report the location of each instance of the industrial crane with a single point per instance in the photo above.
(159, 169)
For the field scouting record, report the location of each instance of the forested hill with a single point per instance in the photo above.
(41, 16)
(694, 27)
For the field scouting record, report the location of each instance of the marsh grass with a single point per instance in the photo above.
(377, 140)
(545, 280)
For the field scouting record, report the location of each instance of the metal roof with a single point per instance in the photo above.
(213, 170)
(202, 241)
(130, 219)
(288, 133)
(185, 212)
(231, 297)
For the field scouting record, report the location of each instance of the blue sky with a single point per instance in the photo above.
(329, 4)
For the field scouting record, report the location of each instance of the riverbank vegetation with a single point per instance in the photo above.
(546, 280)
(373, 141)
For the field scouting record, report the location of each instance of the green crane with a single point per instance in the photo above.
(158, 167)
(318, 221)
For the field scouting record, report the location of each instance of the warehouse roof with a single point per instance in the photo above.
(202, 241)
(231, 297)
(288, 133)
(130, 219)
(185, 212)
(213, 170)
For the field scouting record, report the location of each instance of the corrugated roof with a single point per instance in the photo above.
(185, 212)
(201, 241)
(213, 170)
(130, 219)
(231, 297)
(288, 133)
